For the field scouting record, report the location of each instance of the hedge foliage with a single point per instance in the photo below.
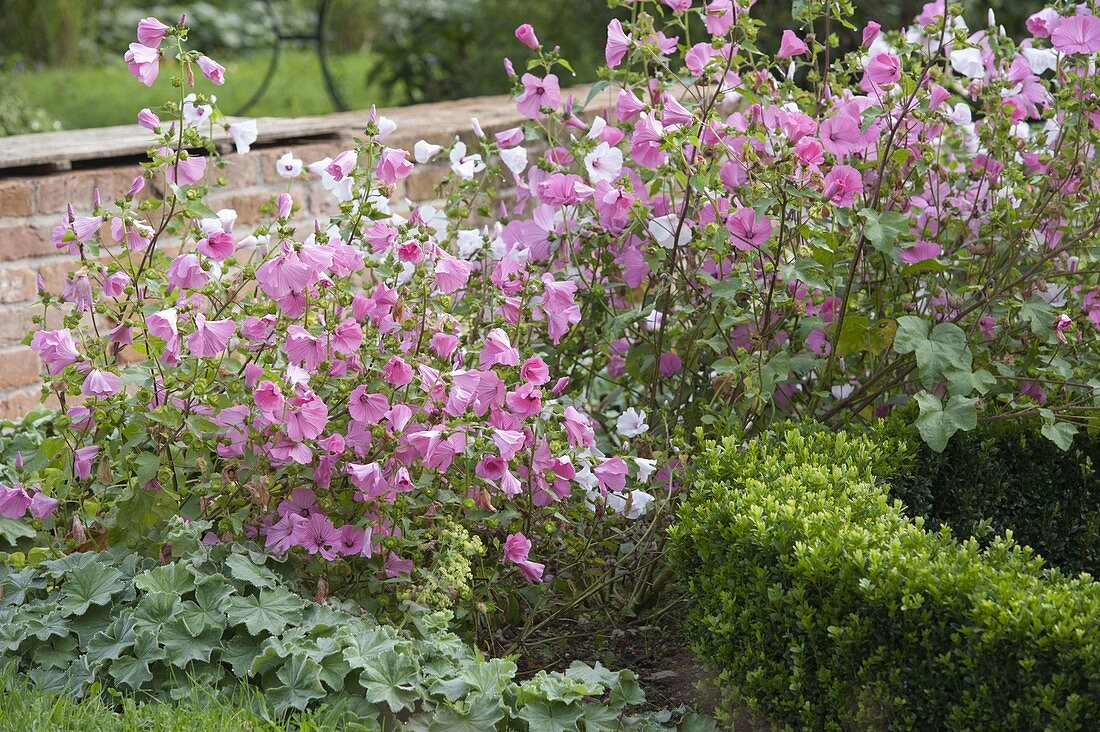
(826, 607)
(221, 616)
(1006, 475)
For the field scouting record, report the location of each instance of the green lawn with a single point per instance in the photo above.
(97, 97)
(26, 709)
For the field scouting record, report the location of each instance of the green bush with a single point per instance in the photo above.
(1007, 476)
(826, 607)
(222, 616)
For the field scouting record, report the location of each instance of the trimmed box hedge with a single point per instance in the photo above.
(826, 607)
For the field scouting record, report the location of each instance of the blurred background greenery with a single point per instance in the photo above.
(61, 65)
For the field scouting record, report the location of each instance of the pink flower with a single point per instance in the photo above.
(144, 63)
(317, 534)
(538, 94)
(101, 384)
(392, 165)
(451, 274)
(211, 337)
(186, 273)
(212, 70)
(719, 17)
(578, 429)
(397, 372)
(884, 69)
(14, 502)
(83, 460)
(525, 34)
(678, 6)
(675, 113)
(840, 134)
(920, 251)
(218, 246)
(367, 408)
(353, 541)
(280, 537)
(284, 274)
(306, 418)
(1077, 34)
(611, 474)
(842, 184)
(1043, 23)
(1062, 323)
(517, 548)
(749, 230)
(269, 398)
(791, 45)
(151, 32)
(871, 31)
(188, 170)
(56, 348)
(498, 350)
(645, 143)
(342, 165)
(618, 43)
(42, 506)
(534, 371)
(148, 120)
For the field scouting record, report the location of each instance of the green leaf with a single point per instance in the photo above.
(964, 382)
(937, 423)
(92, 584)
(391, 679)
(15, 585)
(600, 718)
(596, 88)
(935, 352)
(364, 647)
(172, 579)
(109, 644)
(181, 648)
(148, 464)
(12, 530)
(553, 716)
(858, 334)
(301, 684)
(155, 609)
(242, 568)
(883, 229)
(1060, 433)
(209, 608)
(133, 670)
(477, 713)
(270, 611)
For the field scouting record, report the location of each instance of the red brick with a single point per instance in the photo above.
(56, 273)
(20, 241)
(16, 322)
(15, 198)
(16, 284)
(19, 366)
(420, 186)
(16, 403)
(56, 191)
(247, 205)
(241, 172)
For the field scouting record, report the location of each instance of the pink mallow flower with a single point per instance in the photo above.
(211, 337)
(525, 34)
(538, 94)
(517, 548)
(151, 32)
(212, 70)
(749, 230)
(791, 45)
(144, 63)
(1077, 34)
(101, 384)
(317, 535)
(392, 165)
(56, 348)
(842, 184)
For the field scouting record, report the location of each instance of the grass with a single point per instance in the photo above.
(83, 97)
(23, 708)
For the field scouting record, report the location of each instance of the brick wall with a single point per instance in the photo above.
(31, 202)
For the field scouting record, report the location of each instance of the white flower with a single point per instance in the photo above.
(244, 134)
(663, 231)
(515, 159)
(1021, 130)
(289, 166)
(632, 423)
(1040, 59)
(604, 163)
(477, 127)
(386, 126)
(960, 114)
(469, 242)
(968, 62)
(597, 128)
(653, 321)
(225, 218)
(646, 468)
(423, 151)
(638, 504)
(465, 166)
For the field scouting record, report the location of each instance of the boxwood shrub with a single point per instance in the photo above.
(826, 607)
(1007, 476)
